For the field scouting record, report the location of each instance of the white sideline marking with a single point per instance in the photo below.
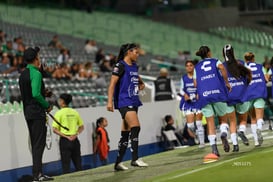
(207, 167)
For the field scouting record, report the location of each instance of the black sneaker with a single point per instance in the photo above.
(235, 148)
(243, 137)
(225, 142)
(43, 178)
(215, 150)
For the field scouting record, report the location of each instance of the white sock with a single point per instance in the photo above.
(212, 139)
(260, 123)
(224, 128)
(191, 126)
(242, 128)
(200, 132)
(233, 137)
(254, 132)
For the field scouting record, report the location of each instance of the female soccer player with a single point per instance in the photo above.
(101, 147)
(124, 86)
(212, 87)
(239, 77)
(189, 103)
(256, 93)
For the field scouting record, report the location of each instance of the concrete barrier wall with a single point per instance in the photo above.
(15, 151)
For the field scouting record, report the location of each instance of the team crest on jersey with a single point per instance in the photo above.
(115, 70)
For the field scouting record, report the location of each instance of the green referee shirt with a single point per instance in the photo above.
(69, 118)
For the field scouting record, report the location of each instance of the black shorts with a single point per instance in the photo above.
(124, 110)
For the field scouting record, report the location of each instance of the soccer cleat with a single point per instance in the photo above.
(215, 150)
(243, 137)
(225, 142)
(43, 177)
(120, 167)
(139, 163)
(260, 136)
(235, 148)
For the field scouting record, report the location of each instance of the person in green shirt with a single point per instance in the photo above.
(35, 106)
(69, 143)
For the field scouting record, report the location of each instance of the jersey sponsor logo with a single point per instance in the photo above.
(189, 84)
(207, 77)
(205, 66)
(133, 73)
(115, 70)
(209, 92)
(134, 79)
(252, 66)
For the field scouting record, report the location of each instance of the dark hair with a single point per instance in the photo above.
(203, 52)
(67, 98)
(191, 61)
(99, 121)
(30, 54)
(124, 48)
(168, 118)
(236, 69)
(249, 56)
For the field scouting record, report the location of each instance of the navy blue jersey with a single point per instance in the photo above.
(126, 90)
(238, 88)
(210, 83)
(257, 87)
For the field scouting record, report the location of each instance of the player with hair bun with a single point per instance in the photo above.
(256, 94)
(210, 78)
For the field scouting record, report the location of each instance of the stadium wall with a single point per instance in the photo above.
(16, 157)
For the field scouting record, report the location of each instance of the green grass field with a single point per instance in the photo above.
(185, 164)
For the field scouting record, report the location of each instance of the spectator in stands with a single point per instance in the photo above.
(16, 42)
(91, 47)
(86, 71)
(74, 70)
(164, 86)
(62, 72)
(112, 59)
(55, 43)
(101, 146)
(105, 66)
(64, 56)
(7, 48)
(99, 56)
(5, 67)
(19, 54)
(3, 36)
